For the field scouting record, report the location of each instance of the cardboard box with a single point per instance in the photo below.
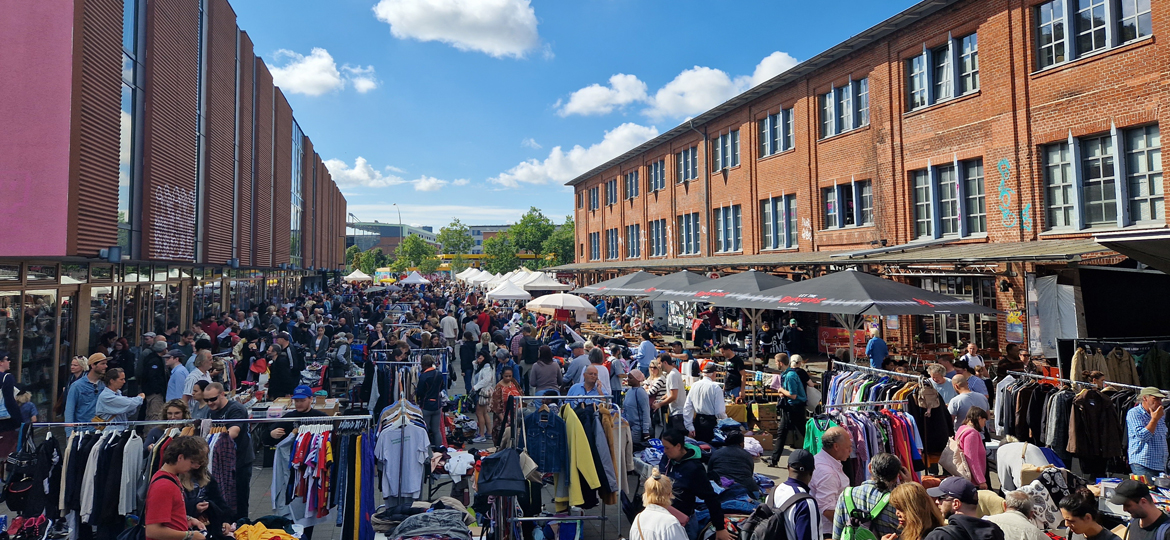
(765, 440)
(329, 406)
(764, 411)
(768, 425)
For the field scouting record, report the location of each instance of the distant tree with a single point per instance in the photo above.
(531, 231)
(559, 244)
(458, 263)
(368, 262)
(413, 250)
(353, 257)
(500, 254)
(429, 265)
(456, 238)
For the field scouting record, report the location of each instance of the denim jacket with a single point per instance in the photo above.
(546, 441)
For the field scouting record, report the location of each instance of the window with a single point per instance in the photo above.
(1058, 185)
(634, 241)
(944, 72)
(1099, 193)
(974, 196)
(594, 246)
(658, 175)
(594, 198)
(1091, 25)
(688, 164)
(631, 185)
(728, 229)
(1135, 20)
(688, 234)
(1143, 170)
(949, 200)
(848, 205)
(923, 214)
(969, 63)
(128, 181)
(580, 200)
(778, 223)
(658, 238)
(727, 150)
(776, 133)
(1050, 33)
(611, 192)
(845, 108)
(611, 244)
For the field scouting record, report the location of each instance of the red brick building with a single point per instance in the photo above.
(976, 146)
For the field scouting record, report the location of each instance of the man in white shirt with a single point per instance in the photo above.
(202, 366)
(450, 328)
(974, 360)
(828, 478)
(676, 393)
(704, 406)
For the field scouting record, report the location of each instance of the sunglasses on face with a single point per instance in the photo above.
(211, 399)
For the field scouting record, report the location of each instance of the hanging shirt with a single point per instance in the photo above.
(402, 451)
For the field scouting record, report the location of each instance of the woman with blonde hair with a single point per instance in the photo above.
(916, 511)
(655, 521)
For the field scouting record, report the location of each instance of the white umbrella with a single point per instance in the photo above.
(550, 303)
(415, 279)
(358, 275)
(545, 283)
(508, 291)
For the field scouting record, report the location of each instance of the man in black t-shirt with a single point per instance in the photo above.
(1134, 498)
(223, 408)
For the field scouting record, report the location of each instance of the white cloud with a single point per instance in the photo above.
(362, 174)
(460, 182)
(771, 66)
(429, 183)
(596, 99)
(311, 75)
(691, 92)
(561, 166)
(530, 143)
(499, 28)
(437, 215)
(362, 78)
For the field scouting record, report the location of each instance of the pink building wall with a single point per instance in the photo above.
(35, 93)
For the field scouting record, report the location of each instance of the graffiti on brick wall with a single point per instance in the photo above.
(806, 229)
(173, 224)
(1009, 216)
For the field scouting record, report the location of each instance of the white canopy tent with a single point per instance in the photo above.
(474, 273)
(358, 275)
(508, 291)
(415, 279)
(466, 273)
(496, 281)
(482, 278)
(544, 283)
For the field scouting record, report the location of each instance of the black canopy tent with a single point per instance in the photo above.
(745, 283)
(850, 295)
(604, 286)
(682, 278)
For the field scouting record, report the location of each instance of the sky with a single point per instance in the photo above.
(479, 109)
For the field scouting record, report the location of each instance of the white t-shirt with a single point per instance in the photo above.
(450, 327)
(973, 360)
(389, 450)
(674, 381)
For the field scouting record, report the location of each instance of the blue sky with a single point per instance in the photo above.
(478, 109)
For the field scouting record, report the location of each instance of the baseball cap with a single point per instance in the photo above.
(801, 460)
(149, 334)
(791, 321)
(577, 345)
(1151, 391)
(710, 368)
(302, 392)
(1129, 490)
(959, 488)
(176, 353)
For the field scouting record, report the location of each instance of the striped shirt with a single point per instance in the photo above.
(865, 498)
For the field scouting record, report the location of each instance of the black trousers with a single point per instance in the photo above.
(243, 489)
(793, 420)
(705, 427)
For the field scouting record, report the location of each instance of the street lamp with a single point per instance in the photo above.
(401, 232)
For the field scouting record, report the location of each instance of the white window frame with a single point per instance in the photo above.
(658, 240)
(689, 238)
(777, 223)
(853, 191)
(1110, 12)
(1139, 170)
(594, 198)
(937, 75)
(611, 192)
(855, 97)
(776, 134)
(634, 241)
(726, 154)
(657, 175)
(612, 244)
(688, 165)
(631, 185)
(934, 201)
(728, 229)
(595, 246)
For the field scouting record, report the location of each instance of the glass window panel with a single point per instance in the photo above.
(1144, 173)
(1050, 35)
(866, 189)
(975, 207)
(844, 109)
(1058, 184)
(969, 64)
(941, 60)
(948, 200)
(829, 195)
(922, 204)
(827, 122)
(74, 273)
(129, 26)
(766, 224)
(42, 272)
(9, 272)
(918, 81)
(1090, 21)
(847, 208)
(1100, 193)
(790, 229)
(862, 88)
(38, 357)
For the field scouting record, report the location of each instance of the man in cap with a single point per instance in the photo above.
(792, 337)
(81, 401)
(178, 377)
(1134, 498)
(577, 365)
(704, 406)
(285, 371)
(800, 517)
(1147, 433)
(958, 499)
(636, 407)
(732, 462)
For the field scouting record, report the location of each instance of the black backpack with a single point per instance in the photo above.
(767, 523)
(500, 474)
(530, 350)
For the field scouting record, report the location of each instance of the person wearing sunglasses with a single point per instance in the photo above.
(222, 408)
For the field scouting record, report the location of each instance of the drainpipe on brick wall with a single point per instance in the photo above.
(706, 187)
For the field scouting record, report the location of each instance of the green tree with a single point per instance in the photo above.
(368, 262)
(500, 254)
(456, 238)
(412, 251)
(559, 244)
(458, 263)
(429, 265)
(531, 231)
(353, 257)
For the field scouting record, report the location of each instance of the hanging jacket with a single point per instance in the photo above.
(1094, 430)
(1084, 361)
(580, 458)
(1122, 367)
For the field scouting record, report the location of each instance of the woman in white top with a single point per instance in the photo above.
(655, 521)
(483, 382)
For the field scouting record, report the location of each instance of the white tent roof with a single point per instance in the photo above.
(358, 275)
(481, 278)
(494, 282)
(545, 283)
(471, 274)
(415, 279)
(526, 278)
(520, 277)
(467, 272)
(508, 291)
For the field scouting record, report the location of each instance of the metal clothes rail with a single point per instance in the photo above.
(867, 369)
(1040, 376)
(302, 420)
(869, 403)
(618, 436)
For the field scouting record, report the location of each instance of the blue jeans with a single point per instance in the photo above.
(467, 379)
(1144, 471)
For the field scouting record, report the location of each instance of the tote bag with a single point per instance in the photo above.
(953, 460)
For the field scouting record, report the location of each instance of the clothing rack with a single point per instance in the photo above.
(515, 435)
(867, 369)
(869, 403)
(303, 420)
(1041, 376)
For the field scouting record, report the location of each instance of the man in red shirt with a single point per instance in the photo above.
(166, 508)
